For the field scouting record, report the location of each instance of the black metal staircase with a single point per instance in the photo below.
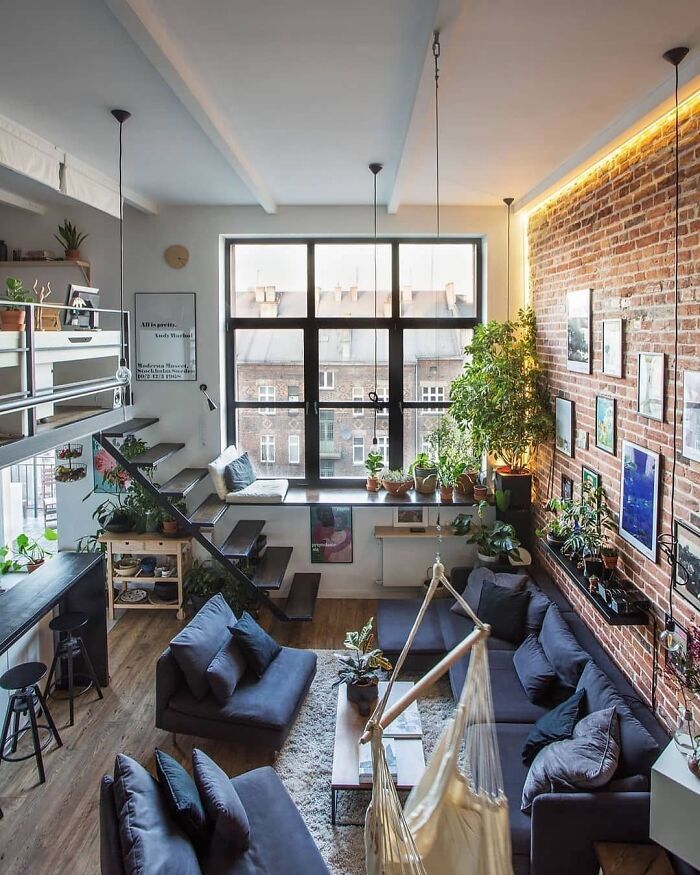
(238, 546)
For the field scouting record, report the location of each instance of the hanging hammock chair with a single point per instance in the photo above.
(456, 818)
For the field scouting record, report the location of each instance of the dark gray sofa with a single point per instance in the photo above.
(559, 833)
(271, 815)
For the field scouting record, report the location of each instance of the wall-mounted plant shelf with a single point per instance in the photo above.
(83, 266)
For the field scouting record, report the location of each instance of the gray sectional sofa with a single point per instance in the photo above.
(559, 833)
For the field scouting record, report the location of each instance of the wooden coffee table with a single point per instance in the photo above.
(349, 726)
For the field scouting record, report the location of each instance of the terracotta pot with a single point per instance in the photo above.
(364, 696)
(610, 562)
(373, 484)
(170, 527)
(394, 488)
(13, 320)
(465, 483)
(72, 255)
(480, 493)
(32, 566)
(446, 493)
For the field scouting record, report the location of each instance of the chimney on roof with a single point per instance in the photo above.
(270, 293)
(450, 296)
(354, 294)
(407, 294)
(259, 294)
(387, 307)
(338, 293)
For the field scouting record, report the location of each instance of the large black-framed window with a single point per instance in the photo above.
(301, 348)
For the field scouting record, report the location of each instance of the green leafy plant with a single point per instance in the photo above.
(26, 551)
(559, 524)
(422, 461)
(396, 475)
(207, 578)
(502, 499)
(374, 464)
(7, 563)
(497, 539)
(451, 440)
(461, 524)
(501, 396)
(15, 291)
(69, 237)
(449, 471)
(362, 663)
(585, 519)
(609, 550)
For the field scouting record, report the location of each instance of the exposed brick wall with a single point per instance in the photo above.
(613, 232)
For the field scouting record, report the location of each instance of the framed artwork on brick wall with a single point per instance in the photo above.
(612, 347)
(605, 426)
(564, 422)
(650, 385)
(687, 579)
(639, 498)
(691, 415)
(578, 331)
(567, 487)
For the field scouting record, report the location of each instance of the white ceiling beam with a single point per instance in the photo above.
(145, 27)
(22, 203)
(140, 202)
(446, 15)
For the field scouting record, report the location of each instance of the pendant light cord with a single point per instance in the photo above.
(376, 291)
(121, 249)
(436, 62)
(675, 314)
(508, 263)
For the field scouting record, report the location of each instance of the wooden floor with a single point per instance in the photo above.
(53, 829)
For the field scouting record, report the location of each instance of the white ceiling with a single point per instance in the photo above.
(286, 101)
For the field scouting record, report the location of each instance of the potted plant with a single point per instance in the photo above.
(559, 526)
(70, 239)
(610, 555)
(13, 317)
(168, 523)
(29, 553)
(683, 671)
(449, 472)
(493, 541)
(424, 472)
(374, 464)
(397, 481)
(587, 518)
(451, 440)
(360, 668)
(480, 488)
(502, 399)
(207, 578)
(8, 564)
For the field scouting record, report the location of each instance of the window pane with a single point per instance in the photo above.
(437, 280)
(431, 361)
(346, 363)
(275, 443)
(345, 441)
(345, 279)
(417, 425)
(269, 365)
(268, 280)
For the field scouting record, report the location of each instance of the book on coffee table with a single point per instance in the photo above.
(365, 761)
(406, 725)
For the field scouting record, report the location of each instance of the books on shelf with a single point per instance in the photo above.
(365, 761)
(406, 725)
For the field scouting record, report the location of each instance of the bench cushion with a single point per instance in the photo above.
(259, 492)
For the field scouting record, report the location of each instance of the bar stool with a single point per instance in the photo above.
(22, 681)
(69, 646)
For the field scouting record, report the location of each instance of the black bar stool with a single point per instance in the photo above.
(69, 646)
(22, 681)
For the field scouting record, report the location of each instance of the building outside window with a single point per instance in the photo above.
(383, 447)
(383, 395)
(266, 393)
(326, 469)
(267, 449)
(432, 394)
(358, 451)
(326, 379)
(294, 444)
(358, 395)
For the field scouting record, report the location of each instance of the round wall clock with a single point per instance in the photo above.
(176, 256)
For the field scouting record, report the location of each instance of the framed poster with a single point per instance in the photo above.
(612, 347)
(411, 517)
(589, 476)
(650, 385)
(605, 424)
(687, 578)
(107, 476)
(564, 422)
(166, 337)
(691, 415)
(639, 498)
(567, 487)
(331, 534)
(578, 331)
(83, 300)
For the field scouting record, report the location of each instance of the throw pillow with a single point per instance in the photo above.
(221, 802)
(225, 671)
(565, 654)
(151, 842)
(553, 726)
(472, 591)
(533, 669)
(217, 467)
(198, 643)
(583, 762)
(504, 610)
(181, 794)
(536, 610)
(239, 473)
(258, 648)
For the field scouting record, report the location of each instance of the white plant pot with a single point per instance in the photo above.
(487, 560)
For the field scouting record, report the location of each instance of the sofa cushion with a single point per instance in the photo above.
(455, 628)
(555, 725)
(511, 737)
(505, 610)
(225, 671)
(585, 761)
(198, 643)
(224, 808)
(239, 473)
(395, 617)
(151, 842)
(561, 648)
(217, 468)
(258, 648)
(534, 670)
(183, 798)
(638, 748)
(269, 703)
(536, 609)
(472, 591)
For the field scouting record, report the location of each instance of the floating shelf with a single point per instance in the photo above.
(83, 266)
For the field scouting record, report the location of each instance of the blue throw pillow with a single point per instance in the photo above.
(256, 645)
(565, 654)
(221, 802)
(553, 726)
(198, 643)
(504, 610)
(182, 796)
(225, 671)
(534, 671)
(239, 473)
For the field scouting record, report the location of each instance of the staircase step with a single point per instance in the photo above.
(130, 426)
(209, 512)
(155, 455)
(184, 482)
(270, 572)
(242, 539)
(303, 593)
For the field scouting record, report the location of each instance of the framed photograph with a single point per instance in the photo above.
(331, 534)
(691, 415)
(639, 498)
(588, 475)
(83, 300)
(612, 347)
(166, 337)
(605, 424)
(578, 331)
(567, 487)
(687, 579)
(106, 474)
(650, 385)
(564, 418)
(411, 517)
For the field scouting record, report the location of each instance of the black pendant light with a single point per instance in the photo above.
(211, 404)
(508, 201)
(667, 541)
(123, 373)
(375, 169)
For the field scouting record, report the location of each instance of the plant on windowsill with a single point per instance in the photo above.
(558, 527)
(449, 472)
(373, 465)
(397, 481)
(610, 555)
(360, 668)
(13, 317)
(451, 440)
(206, 579)
(480, 488)
(70, 240)
(425, 472)
(493, 541)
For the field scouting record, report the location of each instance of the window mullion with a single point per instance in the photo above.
(395, 367)
(311, 446)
